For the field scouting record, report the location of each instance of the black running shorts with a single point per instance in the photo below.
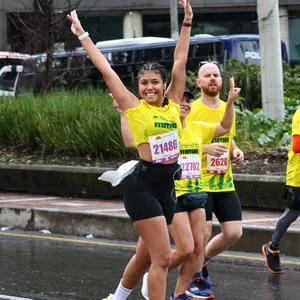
(225, 205)
(150, 191)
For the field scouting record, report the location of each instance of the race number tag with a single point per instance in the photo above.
(190, 166)
(218, 165)
(164, 147)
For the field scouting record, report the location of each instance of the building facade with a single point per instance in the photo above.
(133, 18)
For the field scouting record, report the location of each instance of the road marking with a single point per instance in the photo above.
(67, 240)
(30, 199)
(81, 241)
(13, 297)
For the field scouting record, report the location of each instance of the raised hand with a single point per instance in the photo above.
(188, 12)
(233, 92)
(76, 25)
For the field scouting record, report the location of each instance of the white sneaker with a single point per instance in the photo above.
(144, 289)
(110, 297)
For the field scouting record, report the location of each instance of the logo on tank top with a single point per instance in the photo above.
(165, 125)
(189, 151)
(221, 140)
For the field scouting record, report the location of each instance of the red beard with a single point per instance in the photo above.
(212, 93)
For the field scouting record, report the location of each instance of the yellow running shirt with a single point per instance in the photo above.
(293, 165)
(147, 120)
(193, 136)
(211, 180)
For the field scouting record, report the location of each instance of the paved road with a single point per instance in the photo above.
(48, 267)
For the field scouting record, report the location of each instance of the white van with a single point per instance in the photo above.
(9, 77)
(14, 81)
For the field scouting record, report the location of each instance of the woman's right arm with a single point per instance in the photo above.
(122, 95)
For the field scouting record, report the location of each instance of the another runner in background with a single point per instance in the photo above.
(292, 196)
(217, 177)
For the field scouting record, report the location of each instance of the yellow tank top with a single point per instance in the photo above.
(147, 120)
(293, 165)
(214, 182)
(193, 136)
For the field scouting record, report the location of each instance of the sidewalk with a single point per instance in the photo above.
(109, 220)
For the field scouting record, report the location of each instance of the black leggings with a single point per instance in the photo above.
(292, 212)
(150, 191)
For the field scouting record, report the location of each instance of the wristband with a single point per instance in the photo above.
(84, 35)
(188, 19)
(185, 24)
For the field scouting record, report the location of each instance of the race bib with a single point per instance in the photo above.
(218, 165)
(190, 166)
(164, 147)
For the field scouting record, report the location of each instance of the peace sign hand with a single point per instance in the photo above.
(233, 92)
(76, 25)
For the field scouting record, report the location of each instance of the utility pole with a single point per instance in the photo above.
(174, 19)
(271, 62)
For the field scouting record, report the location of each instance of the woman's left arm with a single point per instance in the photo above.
(177, 84)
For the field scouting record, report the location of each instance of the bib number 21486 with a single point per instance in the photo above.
(164, 147)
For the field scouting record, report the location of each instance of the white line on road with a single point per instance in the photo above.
(30, 199)
(13, 298)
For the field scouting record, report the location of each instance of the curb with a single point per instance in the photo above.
(255, 191)
(116, 227)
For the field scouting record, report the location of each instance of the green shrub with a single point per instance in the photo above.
(80, 123)
(255, 131)
(86, 122)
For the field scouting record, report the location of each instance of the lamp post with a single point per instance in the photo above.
(271, 63)
(174, 19)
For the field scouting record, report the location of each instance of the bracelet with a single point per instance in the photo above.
(84, 35)
(188, 19)
(185, 24)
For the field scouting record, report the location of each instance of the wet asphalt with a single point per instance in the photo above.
(34, 266)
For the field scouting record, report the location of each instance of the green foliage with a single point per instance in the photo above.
(80, 123)
(246, 77)
(291, 79)
(85, 122)
(255, 131)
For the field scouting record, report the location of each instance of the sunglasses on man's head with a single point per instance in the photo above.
(201, 63)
